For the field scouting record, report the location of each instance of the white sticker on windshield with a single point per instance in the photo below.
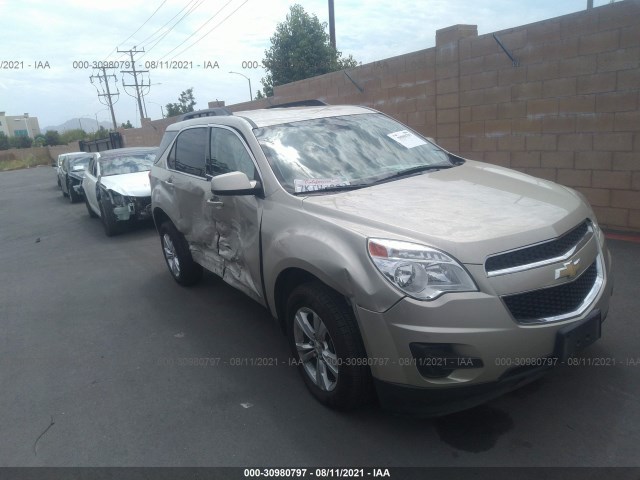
(407, 139)
(315, 184)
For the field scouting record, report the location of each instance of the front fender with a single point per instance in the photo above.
(333, 253)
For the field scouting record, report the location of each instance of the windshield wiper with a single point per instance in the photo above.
(412, 171)
(337, 188)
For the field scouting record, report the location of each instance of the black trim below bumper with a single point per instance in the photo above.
(431, 402)
(435, 402)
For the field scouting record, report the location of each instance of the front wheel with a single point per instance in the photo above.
(178, 256)
(92, 214)
(73, 196)
(327, 346)
(109, 221)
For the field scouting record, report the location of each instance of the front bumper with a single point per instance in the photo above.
(135, 208)
(498, 353)
(430, 402)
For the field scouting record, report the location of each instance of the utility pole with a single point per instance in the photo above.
(108, 93)
(332, 25)
(135, 83)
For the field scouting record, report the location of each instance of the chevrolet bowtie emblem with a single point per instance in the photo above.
(570, 269)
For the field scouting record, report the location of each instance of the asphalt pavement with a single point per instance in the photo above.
(106, 361)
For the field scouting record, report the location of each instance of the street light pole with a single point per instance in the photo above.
(250, 91)
(161, 109)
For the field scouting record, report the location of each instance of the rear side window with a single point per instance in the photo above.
(189, 152)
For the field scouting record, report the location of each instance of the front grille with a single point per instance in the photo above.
(537, 253)
(552, 301)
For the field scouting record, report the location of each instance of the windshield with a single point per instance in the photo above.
(126, 164)
(79, 163)
(339, 152)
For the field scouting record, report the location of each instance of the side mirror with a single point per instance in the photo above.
(234, 183)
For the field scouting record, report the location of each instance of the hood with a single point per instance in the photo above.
(470, 211)
(130, 184)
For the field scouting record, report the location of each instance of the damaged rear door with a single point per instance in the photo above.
(236, 218)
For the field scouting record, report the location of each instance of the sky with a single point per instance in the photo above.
(52, 43)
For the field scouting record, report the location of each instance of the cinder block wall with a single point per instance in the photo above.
(149, 135)
(569, 112)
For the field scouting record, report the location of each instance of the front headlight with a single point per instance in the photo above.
(419, 271)
(117, 200)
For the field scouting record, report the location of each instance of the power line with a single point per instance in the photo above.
(201, 27)
(108, 93)
(174, 26)
(159, 30)
(145, 22)
(206, 34)
(135, 83)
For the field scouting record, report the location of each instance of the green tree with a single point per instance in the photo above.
(20, 142)
(185, 104)
(52, 137)
(127, 125)
(4, 141)
(73, 135)
(98, 134)
(300, 48)
(39, 140)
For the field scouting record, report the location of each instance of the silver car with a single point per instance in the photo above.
(397, 269)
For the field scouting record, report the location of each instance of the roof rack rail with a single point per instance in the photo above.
(301, 103)
(209, 112)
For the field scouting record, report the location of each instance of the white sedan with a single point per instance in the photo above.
(116, 187)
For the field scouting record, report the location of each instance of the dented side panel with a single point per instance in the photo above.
(237, 227)
(224, 240)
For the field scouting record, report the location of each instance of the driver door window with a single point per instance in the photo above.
(228, 154)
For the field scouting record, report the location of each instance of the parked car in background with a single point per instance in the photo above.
(58, 161)
(116, 187)
(71, 173)
(393, 266)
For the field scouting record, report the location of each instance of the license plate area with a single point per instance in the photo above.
(573, 338)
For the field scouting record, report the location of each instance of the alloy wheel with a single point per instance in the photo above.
(170, 255)
(315, 349)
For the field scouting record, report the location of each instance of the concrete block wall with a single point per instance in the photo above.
(570, 112)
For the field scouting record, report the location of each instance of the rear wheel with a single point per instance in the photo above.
(178, 256)
(327, 346)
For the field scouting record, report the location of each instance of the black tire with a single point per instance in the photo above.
(109, 222)
(73, 196)
(62, 189)
(353, 386)
(92, 214)
(178, 256)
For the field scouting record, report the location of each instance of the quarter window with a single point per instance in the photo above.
(189, 151)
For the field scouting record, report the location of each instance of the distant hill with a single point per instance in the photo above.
(89, 125)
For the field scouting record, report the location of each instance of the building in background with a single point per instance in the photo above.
(19, 126)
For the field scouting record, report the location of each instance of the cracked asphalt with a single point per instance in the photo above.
(106, 361)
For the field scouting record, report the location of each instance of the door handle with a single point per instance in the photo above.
(169, 181)
(214, 202)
